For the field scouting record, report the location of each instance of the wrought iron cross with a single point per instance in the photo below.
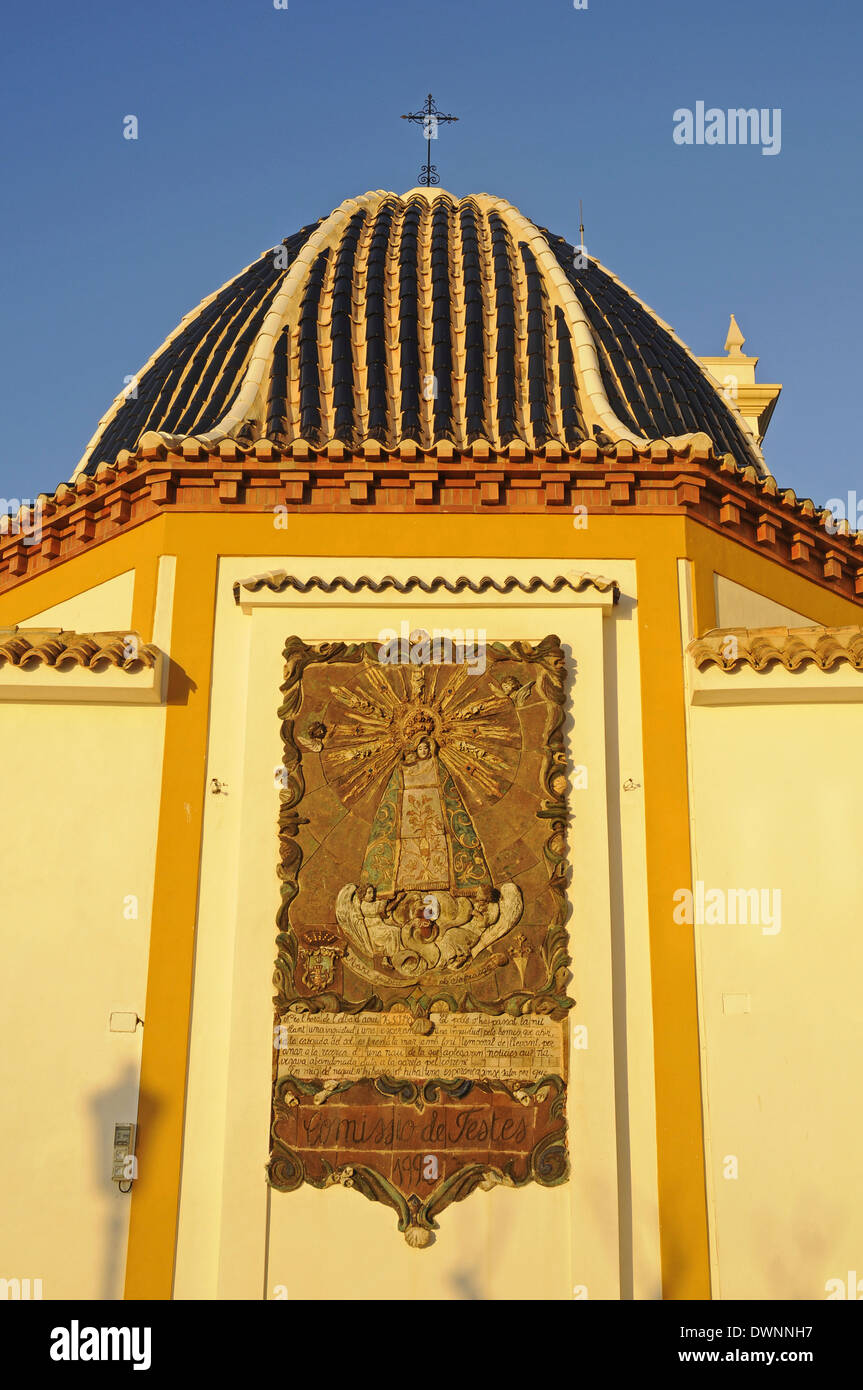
(429, 118)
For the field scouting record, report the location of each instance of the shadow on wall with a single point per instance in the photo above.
(116, 1104)
(179, 684)
(466, 1284)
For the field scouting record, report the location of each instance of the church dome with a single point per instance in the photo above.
(423, 317)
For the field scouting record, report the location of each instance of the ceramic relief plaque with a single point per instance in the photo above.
(420, 1030)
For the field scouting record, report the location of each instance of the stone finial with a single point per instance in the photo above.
(735, 339)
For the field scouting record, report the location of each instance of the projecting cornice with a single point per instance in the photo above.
(732, 648)
(31, 647)
(50, 664)
(279, 582)
(621, 479)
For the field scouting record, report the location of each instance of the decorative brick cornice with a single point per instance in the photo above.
(617, 480)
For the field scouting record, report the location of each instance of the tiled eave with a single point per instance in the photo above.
(58, 666)
(280, 582)
(731, 649)
(777, 666)
(622, 479)
(31, 647)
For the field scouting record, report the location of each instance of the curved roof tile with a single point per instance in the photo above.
(423, 317)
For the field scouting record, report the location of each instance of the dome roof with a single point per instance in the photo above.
(423, 317)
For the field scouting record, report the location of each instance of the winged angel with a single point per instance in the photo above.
(425, 900)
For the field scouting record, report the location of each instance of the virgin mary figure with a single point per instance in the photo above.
(422, 836)
(425, 869)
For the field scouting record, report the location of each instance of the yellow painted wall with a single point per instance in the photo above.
(777, 806)
(78, 818)
(639, 710)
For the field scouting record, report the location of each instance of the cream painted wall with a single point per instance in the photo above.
(776, 803)
(104, 608)
(78, 821)
(737, 606)
(239, 1240)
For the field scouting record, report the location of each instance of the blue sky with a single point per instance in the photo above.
(254, 121)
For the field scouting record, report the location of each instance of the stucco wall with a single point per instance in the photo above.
(78, 820)
(599, 1231)
(776, 806)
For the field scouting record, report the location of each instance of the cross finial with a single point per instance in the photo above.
(429, 118)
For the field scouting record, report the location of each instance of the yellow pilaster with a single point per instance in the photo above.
(153, 1221)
